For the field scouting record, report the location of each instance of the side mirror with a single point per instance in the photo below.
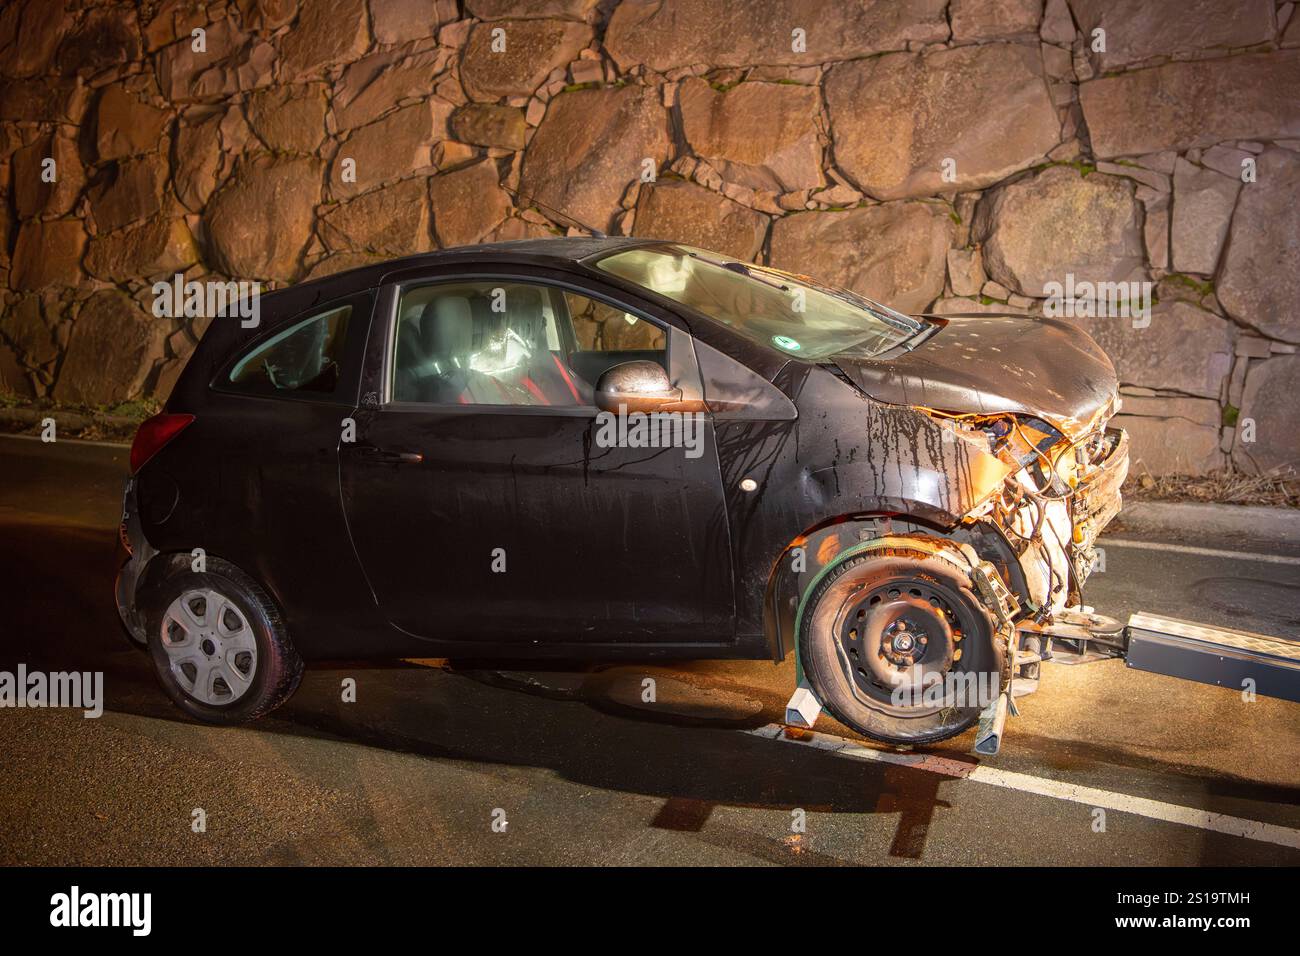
(640, 386)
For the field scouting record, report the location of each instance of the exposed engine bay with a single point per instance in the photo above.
(1062, 489)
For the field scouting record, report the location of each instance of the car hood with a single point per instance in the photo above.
(991, 364)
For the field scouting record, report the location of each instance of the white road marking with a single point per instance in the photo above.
(1042, 786)
(1204, 552)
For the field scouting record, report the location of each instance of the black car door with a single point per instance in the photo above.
(266, 460)
(484, 502)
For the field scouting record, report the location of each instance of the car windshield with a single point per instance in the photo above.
(792, 314)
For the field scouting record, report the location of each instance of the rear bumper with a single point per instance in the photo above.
(128, 576)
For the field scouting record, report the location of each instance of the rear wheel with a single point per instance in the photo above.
(899, 648)
(219, 645)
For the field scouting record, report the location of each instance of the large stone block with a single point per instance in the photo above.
(33, 195)
(198, 158)
(1269, 402)
(48, 254)
(1203, 203)
(968, 306)
(400, 21)
(685, 212)
(393, 221)
(894, 253)
(267, 16)
(1182, 349)
(42, 100)
(30, 31)
(966, 271)
(170, 20)
(128, 192)
(1172, 436)
(125, 125)
(393, 147)
(744, 33)
(909, 124)
(1138, 30)
(13, 374)
(113, 348)
(289, 118)
(25, 325)
(159, 246)
(1058, 222)
(525, 53)
(591, 146)
(230, 62)
(260, 222)
(375, 84)
(468, 203)
(104, 39)
(1259, 278)
(761, 135)
(486, 124)
(324, 35)
(1186, 104)
(987, 19)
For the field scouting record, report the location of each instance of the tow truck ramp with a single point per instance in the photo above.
(1214, 655)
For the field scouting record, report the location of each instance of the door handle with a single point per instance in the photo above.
(372, 453)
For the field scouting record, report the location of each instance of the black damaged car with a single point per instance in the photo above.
(618, 449)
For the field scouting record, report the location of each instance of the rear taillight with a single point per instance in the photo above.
(153, 434)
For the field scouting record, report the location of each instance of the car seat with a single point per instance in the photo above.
(447, 335)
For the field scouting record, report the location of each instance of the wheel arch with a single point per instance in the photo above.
(163, 564)
(794, 569)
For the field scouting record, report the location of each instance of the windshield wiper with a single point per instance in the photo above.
(742, 269)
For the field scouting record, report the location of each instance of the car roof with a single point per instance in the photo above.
(554, 251)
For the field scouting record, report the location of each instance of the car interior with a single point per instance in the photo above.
(486, 343)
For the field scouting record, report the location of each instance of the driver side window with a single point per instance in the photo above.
(501, 342)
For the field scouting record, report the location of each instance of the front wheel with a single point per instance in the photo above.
(218, 644)
(899, 647)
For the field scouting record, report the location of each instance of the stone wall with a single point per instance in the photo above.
(952, 155)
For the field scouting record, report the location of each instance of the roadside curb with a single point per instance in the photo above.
(22, 419)
(1253, 522)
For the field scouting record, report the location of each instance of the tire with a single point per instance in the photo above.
(838, 665)
(242, 644)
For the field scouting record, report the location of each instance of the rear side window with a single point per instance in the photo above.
(307, 357)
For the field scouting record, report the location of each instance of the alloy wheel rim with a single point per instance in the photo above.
(210, 646)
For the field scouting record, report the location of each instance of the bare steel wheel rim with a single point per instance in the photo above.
(899, 634)
(210, 646)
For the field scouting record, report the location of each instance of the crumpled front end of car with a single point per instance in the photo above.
(1063, 490)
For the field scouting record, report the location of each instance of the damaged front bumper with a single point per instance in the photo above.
(1097, 497)
(1060, 493)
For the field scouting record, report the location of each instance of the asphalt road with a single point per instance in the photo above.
(419, 768)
